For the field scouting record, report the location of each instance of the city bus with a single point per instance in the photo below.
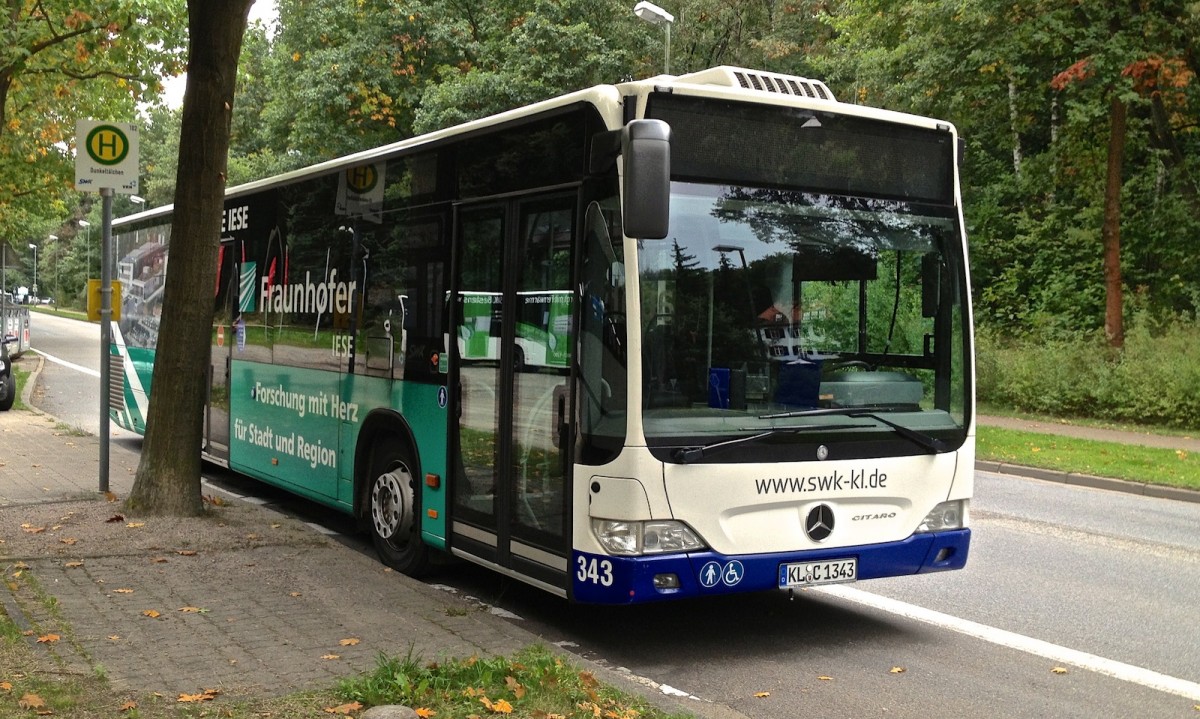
(757, 295)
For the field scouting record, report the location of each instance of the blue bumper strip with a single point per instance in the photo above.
(601, 579)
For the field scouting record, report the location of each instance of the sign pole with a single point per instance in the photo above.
(106, 195)
(106, 160)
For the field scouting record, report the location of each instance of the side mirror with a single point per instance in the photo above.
(646, 195)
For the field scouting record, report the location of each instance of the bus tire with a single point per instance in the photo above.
(392, 508)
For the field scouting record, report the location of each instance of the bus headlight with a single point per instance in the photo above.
(651, 537)
(947, 515)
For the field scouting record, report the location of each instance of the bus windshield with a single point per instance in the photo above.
(773, 309)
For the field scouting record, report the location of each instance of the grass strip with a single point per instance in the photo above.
(1148, 465)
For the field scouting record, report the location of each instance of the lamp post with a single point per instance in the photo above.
(655, 15)
(57, 258)
(33, 291)
(84, 223)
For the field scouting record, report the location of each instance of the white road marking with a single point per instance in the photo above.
(1020, 642)
(68, 365)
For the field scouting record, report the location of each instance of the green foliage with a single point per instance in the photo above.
(59, 62)
(1155, 380)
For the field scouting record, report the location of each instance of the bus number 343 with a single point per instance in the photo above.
(595, 571)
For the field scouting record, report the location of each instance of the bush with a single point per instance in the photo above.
(1154, 380)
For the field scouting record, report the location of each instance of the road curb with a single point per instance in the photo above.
(27, 390)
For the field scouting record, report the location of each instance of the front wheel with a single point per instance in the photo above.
(393, 503)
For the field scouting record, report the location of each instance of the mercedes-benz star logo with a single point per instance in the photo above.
(819, 524)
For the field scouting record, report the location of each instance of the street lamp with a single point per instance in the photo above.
(655, 15)
(57, 260)
(33, 247)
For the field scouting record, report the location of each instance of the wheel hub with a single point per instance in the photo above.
(392, 504)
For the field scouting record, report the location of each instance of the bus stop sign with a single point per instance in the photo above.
(106, 156)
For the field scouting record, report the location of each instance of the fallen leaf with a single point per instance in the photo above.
(68, 541)
(135, 525)
(425, 712)
(201, 697)
(123, 590)
(21, 565)
(332, 656)
(193, 610)
(114, 637)
(48, 639)
(897, 670)
(214, 500)
(186, 552)
(6, 686)
(275, 525)
(128, 706)
(115, 518)
(159, 560)
(153, 614)
(515, 687)
(32, 529)
(761, 695)
(31, 701)
(349, 642)
(110, 496)
(344, 708)
(825, 679)
(73, 565)
(294, 594)
(1058, 670)
(500, 706)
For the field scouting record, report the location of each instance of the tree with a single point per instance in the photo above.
(168, 475)
(60, 62)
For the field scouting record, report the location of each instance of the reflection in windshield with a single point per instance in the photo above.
(764, 301)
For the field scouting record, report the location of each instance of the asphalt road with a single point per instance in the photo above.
(71, 374)
(1075, 603)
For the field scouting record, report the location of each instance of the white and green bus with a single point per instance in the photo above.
(755, 367)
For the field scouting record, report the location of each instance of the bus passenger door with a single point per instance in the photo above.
(510, 484)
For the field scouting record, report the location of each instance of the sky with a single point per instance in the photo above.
(263, 10)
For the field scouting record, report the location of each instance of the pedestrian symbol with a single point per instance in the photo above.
(713, 573)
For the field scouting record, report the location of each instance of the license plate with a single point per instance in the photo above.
(808, 574)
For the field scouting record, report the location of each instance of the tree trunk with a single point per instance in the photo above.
(1014, 117)
(168, 475)
(1114, 326)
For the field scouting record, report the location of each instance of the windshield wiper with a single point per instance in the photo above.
(926, 442)
(687, 455)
